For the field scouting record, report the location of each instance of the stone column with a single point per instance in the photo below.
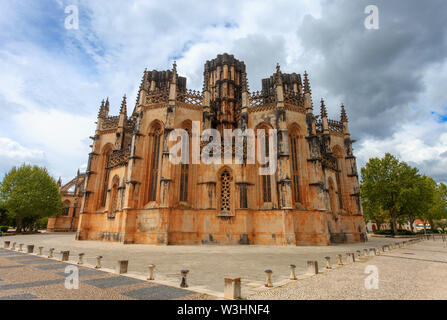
(232, 288)
(312, 267)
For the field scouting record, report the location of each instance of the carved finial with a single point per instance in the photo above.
(306, 83)
(174, 67)
(59, 182)
(79, 172)
(123, 109)
(323, 109)
(344, 116)
(107, 108)
(102, 110)
(278, 68)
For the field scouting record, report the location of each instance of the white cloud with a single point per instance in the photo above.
(53, 80)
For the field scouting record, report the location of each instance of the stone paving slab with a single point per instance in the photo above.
(31, 284)
(86, 273)
(157, 293)
(23, 257)
(105, 283)
(34, 262)
(11, 267)
(51, 266)
(25, 296)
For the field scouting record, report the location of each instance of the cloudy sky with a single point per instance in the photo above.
(392, 79)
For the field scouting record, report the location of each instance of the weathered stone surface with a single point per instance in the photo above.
(132, 193)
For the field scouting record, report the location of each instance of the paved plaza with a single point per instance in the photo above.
(208, 265)
(418, 272)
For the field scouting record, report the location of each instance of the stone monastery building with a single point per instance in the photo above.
(134, 194)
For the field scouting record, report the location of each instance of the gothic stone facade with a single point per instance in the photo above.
(72, 194)
(134, 194)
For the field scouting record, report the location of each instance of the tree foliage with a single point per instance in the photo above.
(29, 193)
(393, 189)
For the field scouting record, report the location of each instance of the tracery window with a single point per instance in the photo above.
(66, 209)
(105, 185)
(225, 191)
(295, 168)
(114, 198)
(267, 179)
(156, 138)
(243, 200)
(184, 176)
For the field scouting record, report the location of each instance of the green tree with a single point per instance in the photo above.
(391, 185)
(436, 212)
(29, 193)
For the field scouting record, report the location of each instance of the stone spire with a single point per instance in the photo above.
(174, 71)
(306, 83)
(323, 109)
(123, 109)
(107, 107)
(102, 110)
(278, 75)
(344, 116)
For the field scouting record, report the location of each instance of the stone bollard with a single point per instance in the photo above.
(312, 267)
(378, 251)
(51, 253)
(366, 252)
(98, 262)
(292, 268)
(383, 248)
(81, 258)
(232, 289)
(372, 252)
(121, 266)
(40, 251)
(359, 255)
(151, 272)
(328, 262)
(21, 247)
(268, 278)
(184, 283)
(13, 245)
(30, 248)
(6, 244)
(350, 258)
(65, 255)
(340, 260)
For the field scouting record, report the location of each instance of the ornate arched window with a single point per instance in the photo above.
(294, 153)
(332, 196)
(154, 163)
(184, 174)
(105, 182)
(114, 198)
(225, 192)
(266, 180)
(339, 156)
(66, 209)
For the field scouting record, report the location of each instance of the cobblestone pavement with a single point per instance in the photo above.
(208, 264)
(30, 277)
(418, 272)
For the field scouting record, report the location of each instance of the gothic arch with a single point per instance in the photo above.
(296, 151)
(113, 206)
(338, 154)
(185, 168)
(66, 210)
(105, 157)
(332, 196)
(225, 181)
(153, 163)
(266, 185)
